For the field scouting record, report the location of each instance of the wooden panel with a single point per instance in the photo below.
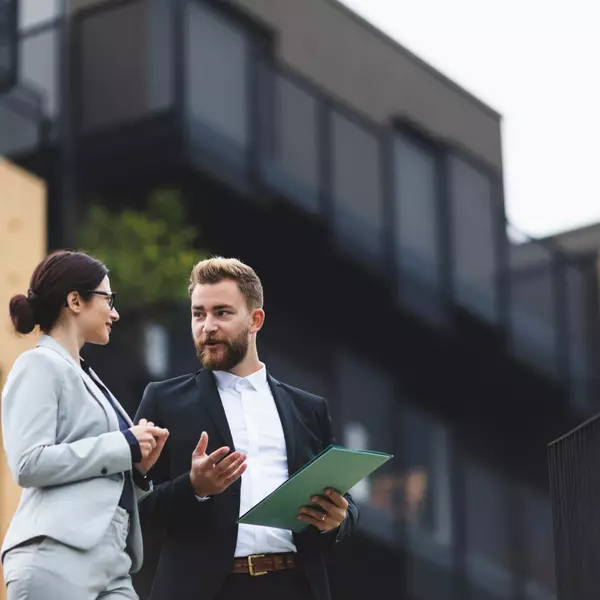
(22, 246)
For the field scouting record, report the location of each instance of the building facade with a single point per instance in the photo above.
(366, 189)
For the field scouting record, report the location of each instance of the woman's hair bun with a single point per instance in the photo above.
(22, 314)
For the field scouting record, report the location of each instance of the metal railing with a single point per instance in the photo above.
(22, 121)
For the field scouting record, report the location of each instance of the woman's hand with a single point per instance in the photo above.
(151, 440)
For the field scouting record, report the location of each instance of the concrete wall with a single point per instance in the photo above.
(583, 239)
(357, 63)
(22, 246)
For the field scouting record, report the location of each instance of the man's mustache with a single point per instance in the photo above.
(211, 341)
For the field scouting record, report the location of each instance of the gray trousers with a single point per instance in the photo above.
(45, 569)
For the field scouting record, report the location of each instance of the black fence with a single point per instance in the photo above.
(575, 495)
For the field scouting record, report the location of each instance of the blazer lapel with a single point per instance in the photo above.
(210, 396)
(285, 408)
(117, 404)
(49, 342)
(99, 396)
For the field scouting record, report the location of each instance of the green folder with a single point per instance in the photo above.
(335, 467)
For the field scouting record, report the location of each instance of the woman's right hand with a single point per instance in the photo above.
(147, 435)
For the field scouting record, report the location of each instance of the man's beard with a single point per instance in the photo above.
(230, 354)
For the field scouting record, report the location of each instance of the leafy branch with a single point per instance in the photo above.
(149, 253)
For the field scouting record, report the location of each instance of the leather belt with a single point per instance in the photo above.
(261, 564)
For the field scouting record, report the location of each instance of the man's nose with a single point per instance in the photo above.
(210, 324)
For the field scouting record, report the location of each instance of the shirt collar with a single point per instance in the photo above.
(49, 342)
(257, 380)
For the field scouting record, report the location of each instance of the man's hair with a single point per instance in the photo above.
(217, 269)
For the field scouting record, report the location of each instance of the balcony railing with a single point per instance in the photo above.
(554, 315)
(22, 122)
(417, 211)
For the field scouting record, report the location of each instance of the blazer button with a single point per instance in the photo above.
(104, 471)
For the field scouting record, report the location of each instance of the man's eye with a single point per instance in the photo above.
(222, 313)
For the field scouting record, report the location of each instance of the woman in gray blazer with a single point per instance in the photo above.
(70, 445)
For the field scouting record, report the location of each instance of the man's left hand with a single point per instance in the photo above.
(334, 505)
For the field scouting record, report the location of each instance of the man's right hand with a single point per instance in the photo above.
(213, 473)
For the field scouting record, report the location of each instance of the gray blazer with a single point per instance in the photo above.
(64, 448)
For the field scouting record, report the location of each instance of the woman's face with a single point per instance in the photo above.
(98, 315)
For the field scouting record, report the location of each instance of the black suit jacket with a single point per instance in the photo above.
(189, 545)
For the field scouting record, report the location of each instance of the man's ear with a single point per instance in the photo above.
(258, 319)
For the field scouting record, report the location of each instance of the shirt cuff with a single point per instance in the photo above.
(141, 480)
(134, 446)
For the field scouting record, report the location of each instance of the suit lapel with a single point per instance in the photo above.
(117, 404)
(49, 342)
(205, 381)
(285, 408)
(99, 396)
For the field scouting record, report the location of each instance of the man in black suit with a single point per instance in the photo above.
(273, 430)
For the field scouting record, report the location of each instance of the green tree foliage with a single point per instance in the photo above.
(149, 253)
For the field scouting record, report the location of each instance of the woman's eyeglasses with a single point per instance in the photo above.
(109, 295)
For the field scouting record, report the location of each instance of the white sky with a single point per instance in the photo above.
(537, 62)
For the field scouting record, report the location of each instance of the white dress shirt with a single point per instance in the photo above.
(257, 432)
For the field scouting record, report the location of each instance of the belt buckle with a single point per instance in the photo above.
(254, 573)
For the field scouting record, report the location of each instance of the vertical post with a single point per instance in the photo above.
(9, 34)
(179, 59)
(256, 126)
(459, 518)
(590, 314)
(386, 154)
(561, 315)
(503, 294)
(593, 330)
(445, 223)
(325, 151)
(62, 217)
